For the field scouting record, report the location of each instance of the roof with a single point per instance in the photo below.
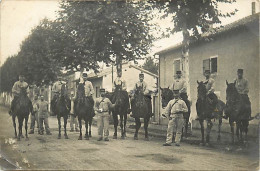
(215, 32)
(109, 71)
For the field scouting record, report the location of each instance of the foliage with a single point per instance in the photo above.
(150, 65)
(104, 31)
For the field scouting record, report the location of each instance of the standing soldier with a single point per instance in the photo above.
(56, 89)
(174, 111)
(43, 116)
(102, 107)
(89, 91)
(141, 85)
(16, 91)
(73, 119)
(243, 89)
(34, 116)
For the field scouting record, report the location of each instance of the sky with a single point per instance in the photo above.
(18, 17)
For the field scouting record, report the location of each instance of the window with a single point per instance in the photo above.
(177, 66)
(210, 64)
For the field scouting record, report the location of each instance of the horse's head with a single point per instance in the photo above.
(63, 92)
(81, 92)
(202, 91)
(232, 94)
(166, 95)
(120, 99)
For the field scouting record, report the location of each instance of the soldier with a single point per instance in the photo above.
(43, 116)
(56, 88)
(73, 119)
(119, 81)
(89, 91)
(210, 85)
(141, 85)
(16, 91)
(180, 84)
(102, 107)
(34, 116)
(243, 89)
(174, 111)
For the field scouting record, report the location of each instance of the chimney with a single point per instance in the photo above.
(253, 8)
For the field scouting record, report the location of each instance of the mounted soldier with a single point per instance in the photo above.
(89, 91)
(16, 91)
(242, 87)
(210, 85)
(56, 89)
(141, 86)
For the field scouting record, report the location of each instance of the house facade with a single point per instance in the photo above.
(232, 47)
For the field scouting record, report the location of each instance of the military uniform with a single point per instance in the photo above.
(210, 87)
(174, 110)
(16, 91)
(43, 116)
(73, 119)
(102, 107)
(56, 89)
(34, 117)
(119, 82)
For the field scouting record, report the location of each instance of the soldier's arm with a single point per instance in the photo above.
(172, 86)
(15, 88)
(184, 106)
(212, 88)
(168, 109)
(184, 88)
(96, 106)
(110, 105)
(246, 90)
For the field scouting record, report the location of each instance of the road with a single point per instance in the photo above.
(48, 152)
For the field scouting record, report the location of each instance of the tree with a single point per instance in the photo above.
(191, 17)
(150, 65)
(104, 31)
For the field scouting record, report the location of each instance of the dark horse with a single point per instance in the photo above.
(120, 97)
(141, 109)
(23, 107)
(83, 109)
(237, 111)
(62, 109)
(206, 110)
(167, 95)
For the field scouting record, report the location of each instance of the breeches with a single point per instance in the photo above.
(46, 124)
(175, 125)
(103, 124)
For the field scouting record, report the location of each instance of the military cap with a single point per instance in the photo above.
(84, 74)
(240, 70)
(141, 74)
(102, 90)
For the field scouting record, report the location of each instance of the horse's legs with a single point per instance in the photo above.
(202, 130)
(209, 126)
(122, 127)
(14, 124)
(90, 123)
(26, 121)
(245, 128)
(231, 123)
(125, 119)
(80, 128)
(59, 136)
(238, 130)
(137, 127)
(86, 125)
(20, 120)
(219, 128)
(115, 125)
(65, 118)
(146, 122)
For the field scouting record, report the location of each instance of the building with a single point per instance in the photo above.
(232, 47)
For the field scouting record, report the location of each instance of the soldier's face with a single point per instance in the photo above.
(21, 78)
(102, 94)
(141, 78)
(179, 75)
(206, 74)
(119, 74)
(240, 75)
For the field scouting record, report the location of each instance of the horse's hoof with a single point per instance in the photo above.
(22, 136)
(90, 135)
(146, 139)
(66, 136)
(114, 137)
(135, 138)
(27, 138)
(59, 136)
(80, 138)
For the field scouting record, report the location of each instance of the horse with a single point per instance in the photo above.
(206, 110)
(141, 109)
(62, 109)
(83, 109)
(22, 109)
(166, 96)
(237, 111)
(120, 97)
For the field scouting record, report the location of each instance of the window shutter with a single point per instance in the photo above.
(214, 65)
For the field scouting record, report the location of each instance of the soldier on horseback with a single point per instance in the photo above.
(142, 86)
(89, 91)
(210, 85)
(241, 85)
(16, 91)
(56, 89)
